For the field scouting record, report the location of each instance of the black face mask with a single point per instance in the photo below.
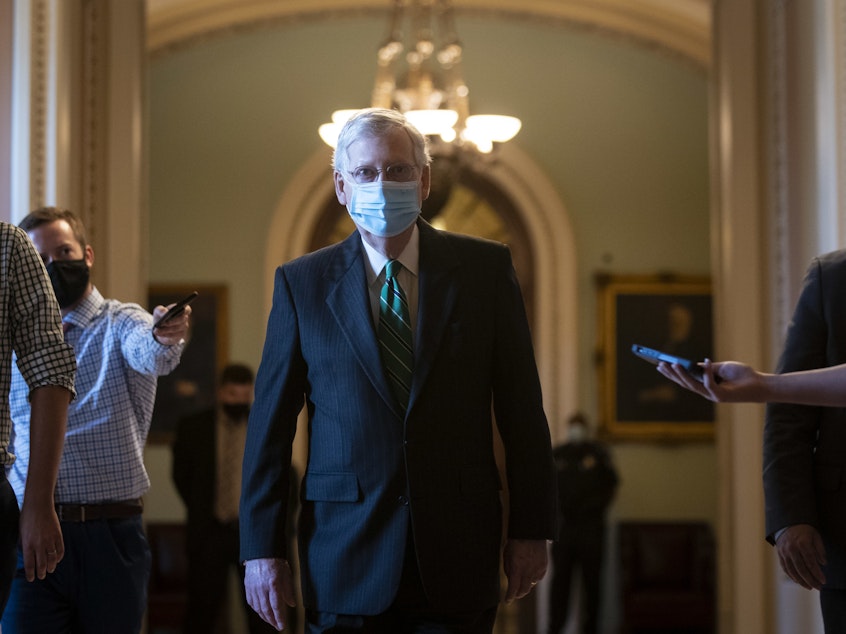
(69, 279)
(236, 411)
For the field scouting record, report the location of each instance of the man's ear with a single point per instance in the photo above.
(89, 255)
(341, 189)
(426, 182)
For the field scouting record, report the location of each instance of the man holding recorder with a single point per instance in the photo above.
(101, 584)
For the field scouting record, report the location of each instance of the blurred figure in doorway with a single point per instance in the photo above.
(207, 458)
(587, 481)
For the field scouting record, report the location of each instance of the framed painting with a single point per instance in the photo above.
(671, 313)
(191, 386)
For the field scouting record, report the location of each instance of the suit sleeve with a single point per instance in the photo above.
(522, 424)
(280, 394)
(790, 431)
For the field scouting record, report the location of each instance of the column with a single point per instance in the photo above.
(78, 120)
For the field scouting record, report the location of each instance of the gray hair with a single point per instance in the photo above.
(375, 122)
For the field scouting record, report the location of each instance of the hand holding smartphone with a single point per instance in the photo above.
(656, 356)
(177, 309)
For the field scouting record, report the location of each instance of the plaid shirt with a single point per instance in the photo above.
(29, 325)
(118, 364)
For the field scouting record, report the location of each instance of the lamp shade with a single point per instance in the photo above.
(329, 133)
(432, 122)
(496, 127)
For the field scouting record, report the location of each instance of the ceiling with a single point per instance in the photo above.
(680, 26)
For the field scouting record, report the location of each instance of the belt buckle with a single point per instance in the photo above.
(81, 512)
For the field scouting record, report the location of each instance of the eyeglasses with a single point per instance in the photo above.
(401, 173)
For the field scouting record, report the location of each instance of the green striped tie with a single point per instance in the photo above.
(395, 334)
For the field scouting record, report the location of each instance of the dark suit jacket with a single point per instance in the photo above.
(194, 468)
(374, 471)
(804, 447)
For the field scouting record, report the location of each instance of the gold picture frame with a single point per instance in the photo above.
(671, 313)
(192, 385)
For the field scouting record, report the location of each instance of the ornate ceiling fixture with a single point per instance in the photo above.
(426, 83)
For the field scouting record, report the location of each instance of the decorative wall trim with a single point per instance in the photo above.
(39, 70)
(94, 118)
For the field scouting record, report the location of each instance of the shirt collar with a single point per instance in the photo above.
(409, 258)
(88, 308)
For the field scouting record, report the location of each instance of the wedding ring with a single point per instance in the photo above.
(534, 583)
(52, 552)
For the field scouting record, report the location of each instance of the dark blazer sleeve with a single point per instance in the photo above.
(793, 457)
(519, 415)
(280, 395)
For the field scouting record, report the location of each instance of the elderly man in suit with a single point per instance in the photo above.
(405, 344)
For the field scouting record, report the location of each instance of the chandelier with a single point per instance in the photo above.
(418, 72)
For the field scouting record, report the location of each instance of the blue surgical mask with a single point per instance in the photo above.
(384, 208)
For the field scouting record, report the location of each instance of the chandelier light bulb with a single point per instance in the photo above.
(477, 137)
(448, 136)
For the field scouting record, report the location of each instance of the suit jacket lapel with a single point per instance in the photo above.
(348, 300)
(437, 295)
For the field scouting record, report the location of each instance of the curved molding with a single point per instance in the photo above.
(682, 27)
(555, 328)
(553, 244)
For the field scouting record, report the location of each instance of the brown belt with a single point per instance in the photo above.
(93, 512)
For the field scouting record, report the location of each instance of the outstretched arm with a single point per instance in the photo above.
(733, 382)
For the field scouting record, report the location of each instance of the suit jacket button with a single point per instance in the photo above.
(403, 500)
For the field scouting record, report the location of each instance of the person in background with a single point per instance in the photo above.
(30, 324)
(404, 343)
(207, 456)
(587, 481)
(101, 584)
(804, 436)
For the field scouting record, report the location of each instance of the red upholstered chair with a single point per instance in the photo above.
(667, 577)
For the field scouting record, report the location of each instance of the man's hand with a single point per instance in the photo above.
(173, 330)
(801, 554)
(270, 584)
(41, 539)
(525, 562)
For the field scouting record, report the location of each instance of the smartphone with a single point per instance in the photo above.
(177, 309)
(656, 356)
